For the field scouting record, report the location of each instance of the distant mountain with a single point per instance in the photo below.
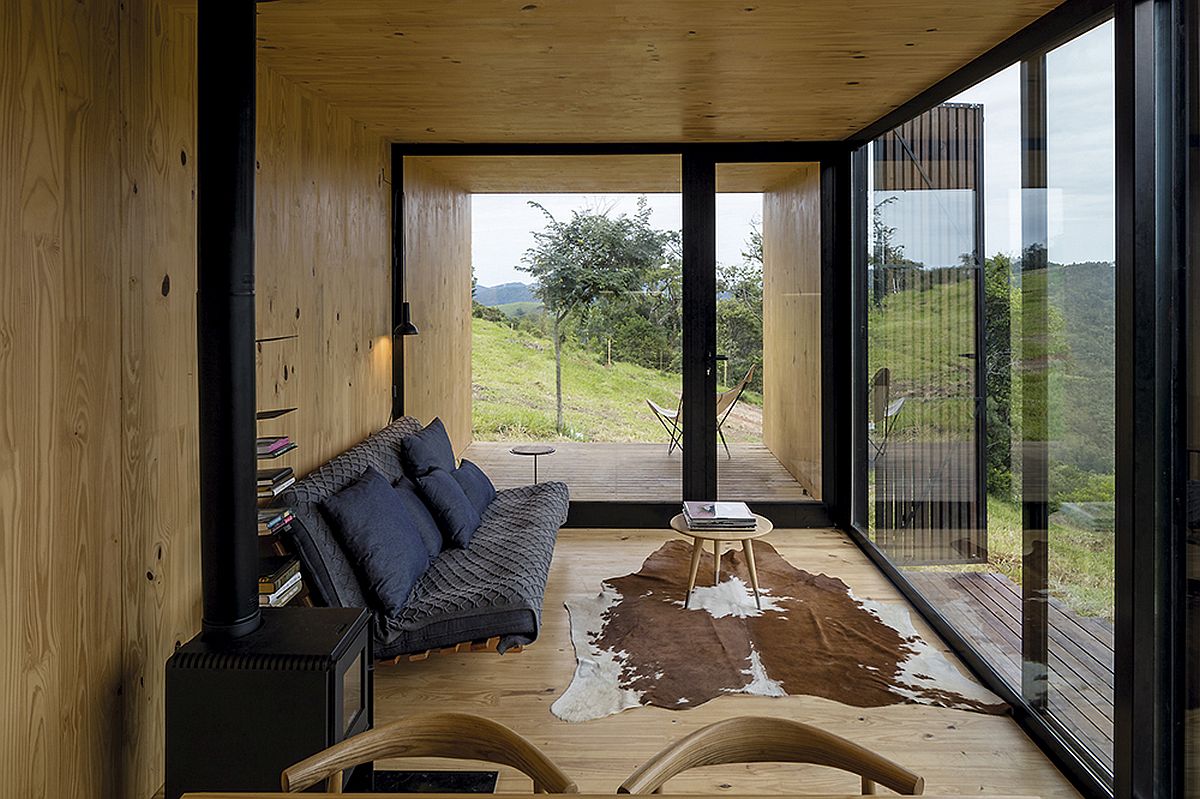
(504, 294)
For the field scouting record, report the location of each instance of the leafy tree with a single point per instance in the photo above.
(591, 255)
(740, 309)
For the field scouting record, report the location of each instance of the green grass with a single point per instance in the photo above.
(516, 310)
(513, 385)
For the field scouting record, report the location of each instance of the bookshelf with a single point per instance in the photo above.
(279, 578)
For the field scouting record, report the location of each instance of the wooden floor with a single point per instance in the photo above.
(956, 751)
(633, 472)
(987, 609)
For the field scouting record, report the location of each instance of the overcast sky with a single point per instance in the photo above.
(502, 225)
(1080, 160)
(1080, 198)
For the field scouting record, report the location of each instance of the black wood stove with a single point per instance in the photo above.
(240, 712)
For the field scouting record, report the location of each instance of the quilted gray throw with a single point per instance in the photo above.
(635, 643)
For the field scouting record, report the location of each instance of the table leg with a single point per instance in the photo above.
(697, 551)
(748, 550)
(716, 562)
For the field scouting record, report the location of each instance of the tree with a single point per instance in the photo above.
(586, 257)
(740, 309)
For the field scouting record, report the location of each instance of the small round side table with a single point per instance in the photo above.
(535, 450)
(762, 527)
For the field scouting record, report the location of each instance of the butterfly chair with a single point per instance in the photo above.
(672, 420)
(884, 410)
(460, 736)
(761, 739)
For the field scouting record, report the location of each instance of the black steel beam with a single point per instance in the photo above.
(1061, 24)
(837, 380)
(1150, 475)
(699, 181)
(1035, 394)
(860, 216)
(226, 51)
(657, 515)
(729, 152)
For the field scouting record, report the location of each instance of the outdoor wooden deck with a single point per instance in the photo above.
(636, 472)
(986, 609)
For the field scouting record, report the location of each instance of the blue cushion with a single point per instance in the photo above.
(428, 449)
(380, 538)
(476, 485)
(422, 519)
(455, 514)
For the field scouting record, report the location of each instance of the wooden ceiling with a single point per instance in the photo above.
(644, 71)
(591, 174)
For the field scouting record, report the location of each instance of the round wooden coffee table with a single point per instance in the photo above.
(535, 450)
(761, 528)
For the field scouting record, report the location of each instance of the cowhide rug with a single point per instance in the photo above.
(636, 644)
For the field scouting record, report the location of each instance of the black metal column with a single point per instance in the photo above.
(1034, 365)
(225, 316)
(397, 281)
(1150, 475)
(857, 331)
(837, 380)
(699, 182)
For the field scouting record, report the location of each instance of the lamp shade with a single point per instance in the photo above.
(406, 326)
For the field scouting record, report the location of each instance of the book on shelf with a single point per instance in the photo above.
(272, 482)
(272, 520)
(271, 491)
(276, 571)
(718, 516)
(272, 447)
(269, 445)
(282, 596)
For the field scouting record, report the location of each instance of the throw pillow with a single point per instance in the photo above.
(476, 485)
(422, 519)
(380, 538)
(455, 514)
(428, 449)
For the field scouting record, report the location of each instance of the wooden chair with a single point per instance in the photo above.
(460, 736)
(672, 420)
(758, 739)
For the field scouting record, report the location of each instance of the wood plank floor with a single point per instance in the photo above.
(987, 609)
(636, 472)
(956, 751)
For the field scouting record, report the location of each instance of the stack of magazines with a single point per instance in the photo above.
(718, 516)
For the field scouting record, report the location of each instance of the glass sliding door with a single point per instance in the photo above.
(769, 347)
(990, 373)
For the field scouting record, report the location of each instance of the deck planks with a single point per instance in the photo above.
(637, 472)
(986, 609)
(956, 751)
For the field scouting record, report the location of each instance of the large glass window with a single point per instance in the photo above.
(990, 374)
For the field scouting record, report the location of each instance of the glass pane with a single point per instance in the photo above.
(768, 332)
(576, 322)
(990, 480)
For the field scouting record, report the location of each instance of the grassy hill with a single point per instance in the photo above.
(504, 293)
(516, 310)
(513, 387)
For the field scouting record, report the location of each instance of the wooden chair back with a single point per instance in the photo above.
(460, 736)
(757, 739)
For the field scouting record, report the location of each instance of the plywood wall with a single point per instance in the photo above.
(60, 413)
(437, 240)
(323, 273)
(792, 325)
(99, 542)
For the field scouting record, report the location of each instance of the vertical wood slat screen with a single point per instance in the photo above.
(922, 330)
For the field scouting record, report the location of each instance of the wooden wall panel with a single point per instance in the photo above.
(323, 252)
(323, 273)
(792, 325)
(160, 499)
(60, 588)
(437, 241)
